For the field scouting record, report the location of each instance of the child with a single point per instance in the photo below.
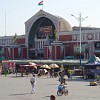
(60, 87)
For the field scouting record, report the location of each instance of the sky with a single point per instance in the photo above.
(14, 13)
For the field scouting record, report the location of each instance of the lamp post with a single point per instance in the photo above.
(79, 19)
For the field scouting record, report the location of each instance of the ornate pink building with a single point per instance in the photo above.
(51, 37)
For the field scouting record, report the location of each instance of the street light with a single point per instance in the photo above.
(79, 19)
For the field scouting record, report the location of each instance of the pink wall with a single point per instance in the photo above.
(16, 54)
(65, 38)
(24, 53)
(58, 55)
(11, 53)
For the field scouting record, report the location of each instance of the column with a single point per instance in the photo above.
(55, 52)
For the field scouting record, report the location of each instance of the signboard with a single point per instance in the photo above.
(11, 64)
(97, 46)
(45, 31)
(77, 48)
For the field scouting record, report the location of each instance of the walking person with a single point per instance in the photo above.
(0, 70)
(33, 83)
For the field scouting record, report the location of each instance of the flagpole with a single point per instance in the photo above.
(42, 7)
(5, 23)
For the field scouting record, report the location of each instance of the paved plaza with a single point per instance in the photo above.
(19, 88)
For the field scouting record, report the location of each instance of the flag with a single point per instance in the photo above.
(40, 3)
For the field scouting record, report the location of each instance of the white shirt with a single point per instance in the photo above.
(33, 80)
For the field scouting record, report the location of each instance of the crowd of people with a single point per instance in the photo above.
(49, 72)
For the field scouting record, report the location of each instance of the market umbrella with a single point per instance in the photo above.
(45, 66)
(92, 64)
(93, 59)
(54, 66)
(28, 66)
(31, 63)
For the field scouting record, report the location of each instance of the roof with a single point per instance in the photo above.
(63, 24)
(93, 59)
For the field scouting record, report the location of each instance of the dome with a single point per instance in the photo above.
(64, 25)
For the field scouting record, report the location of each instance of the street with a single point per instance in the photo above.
(19, 88)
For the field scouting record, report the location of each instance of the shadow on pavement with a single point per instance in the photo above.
(19, 94)
(51, 84)
(16, 76)
(46, 96)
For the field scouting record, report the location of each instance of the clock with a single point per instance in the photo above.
(90, 36)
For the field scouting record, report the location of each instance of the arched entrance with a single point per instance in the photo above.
(41, 33)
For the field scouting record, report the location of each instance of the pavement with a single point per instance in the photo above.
(19, 88)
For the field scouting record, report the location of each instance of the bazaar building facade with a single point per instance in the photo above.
(51, 37)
